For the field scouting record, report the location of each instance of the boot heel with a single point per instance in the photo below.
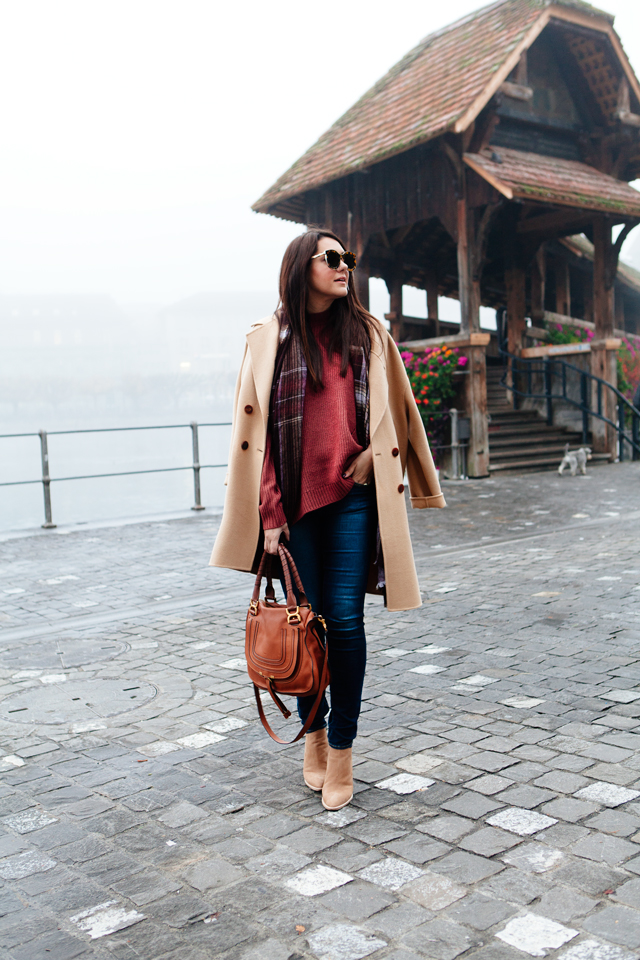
(314, 767)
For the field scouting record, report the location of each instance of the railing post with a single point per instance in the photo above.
(635, 436)
(584, 390)
(46, 481)
(621, 436)
(455, 445)
(548, 371)
(196, 467)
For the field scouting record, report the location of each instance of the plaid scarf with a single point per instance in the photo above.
(287, 410)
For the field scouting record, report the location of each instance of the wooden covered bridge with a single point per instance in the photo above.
(492, 165)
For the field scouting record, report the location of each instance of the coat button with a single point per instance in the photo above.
(401, 488)
(248, 408)
(395, 452)
(245, 445)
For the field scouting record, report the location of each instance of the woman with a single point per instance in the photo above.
(324, 426)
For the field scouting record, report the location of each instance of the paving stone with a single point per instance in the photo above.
(490, 784)
(342, 941)
(564, 904)
(488, 841)
(357, 901)
(591, 878)
(561, 782)
(618, 924)
(181, 814)
(519, 821)
(398, 918)
(418, 848)
(515, 886)
(605, 849)
(178, 909)
(536, 935)
(449, 828)
(471, 805)
(317, 879)
(608, 794)
(466, 867)
(614, 821)
(145, 887)
(374, 830)
(351, 856)
(24, 865)
(391, 873)
(105, 919)
(595, 950)
(480, 912)
(629, 894)
(56, 945)
(536, 857)
(444, 940)
(525, 796)
(566, 808)
(311, 840)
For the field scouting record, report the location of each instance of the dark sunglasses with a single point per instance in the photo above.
(333, 259)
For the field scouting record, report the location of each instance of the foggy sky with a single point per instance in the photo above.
(137, 133)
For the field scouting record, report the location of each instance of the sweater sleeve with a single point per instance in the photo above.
(271, 510)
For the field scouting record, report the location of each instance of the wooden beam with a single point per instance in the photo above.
(556, 223)
(495, 182)
(516, 91)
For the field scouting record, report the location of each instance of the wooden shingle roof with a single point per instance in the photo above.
(532, 176)
(440, 86)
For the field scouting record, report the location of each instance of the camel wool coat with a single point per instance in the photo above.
(398, 440)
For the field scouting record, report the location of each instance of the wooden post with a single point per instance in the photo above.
(476, 405)
(468, 281)
(563, 287)
(618, 300)
(603, 361)
(538, 283)
(432, 299)
(516, 307)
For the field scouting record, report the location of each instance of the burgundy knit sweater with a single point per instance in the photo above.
(329, 439)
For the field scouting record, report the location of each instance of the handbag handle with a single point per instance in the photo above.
(287, 567)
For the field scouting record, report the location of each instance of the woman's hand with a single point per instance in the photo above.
(361, 469)
(272, 538)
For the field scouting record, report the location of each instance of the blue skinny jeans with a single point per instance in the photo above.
(332, 549)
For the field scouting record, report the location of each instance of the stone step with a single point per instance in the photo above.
(560, 439)
(543, 463)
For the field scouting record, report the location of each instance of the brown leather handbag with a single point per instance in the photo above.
(285, 645)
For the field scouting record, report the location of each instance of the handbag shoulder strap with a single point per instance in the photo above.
(312, 713)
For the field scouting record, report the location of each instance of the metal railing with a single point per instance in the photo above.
(557, 377)
(46, 479)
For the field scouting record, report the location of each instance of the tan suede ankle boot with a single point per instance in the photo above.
(337, 791)
(316, 749)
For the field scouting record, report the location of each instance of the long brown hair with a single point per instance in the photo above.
(351, 325)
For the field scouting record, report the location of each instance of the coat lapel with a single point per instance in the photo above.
(378, 385)
(263, 346)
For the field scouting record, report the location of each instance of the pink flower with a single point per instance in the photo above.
(462, 361)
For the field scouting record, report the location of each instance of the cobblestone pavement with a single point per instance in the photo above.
(145, 814)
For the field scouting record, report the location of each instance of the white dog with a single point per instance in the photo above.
(575, 460)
